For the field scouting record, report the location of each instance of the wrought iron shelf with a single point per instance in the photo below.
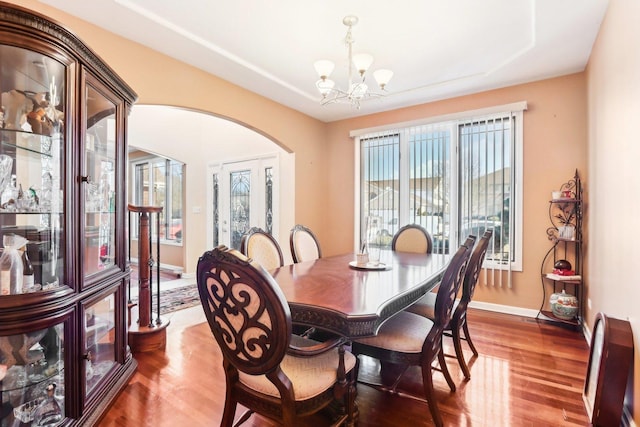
(552, 317)
(565, 235)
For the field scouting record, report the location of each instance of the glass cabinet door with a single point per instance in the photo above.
(99, 326)
(32, 378)
(100, 163)
(31, 171)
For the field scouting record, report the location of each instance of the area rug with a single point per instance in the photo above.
(174, 299)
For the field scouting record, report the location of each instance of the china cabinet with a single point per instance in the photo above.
(561, 266)
(63, 270)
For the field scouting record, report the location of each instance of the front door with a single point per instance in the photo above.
(241, 195)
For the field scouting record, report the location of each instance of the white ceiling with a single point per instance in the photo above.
(437, 48)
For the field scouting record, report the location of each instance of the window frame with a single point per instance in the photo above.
(516, 110)
(168, 189)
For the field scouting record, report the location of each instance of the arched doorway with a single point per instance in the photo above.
(203, 142)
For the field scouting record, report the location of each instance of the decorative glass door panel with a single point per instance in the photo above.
(99, 323)
(31, 167)
(32, 377)
(240, 205)
(99, 195)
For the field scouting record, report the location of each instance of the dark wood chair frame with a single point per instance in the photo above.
(299, 228)
(411, 227)
(233, 287)
(458, 322)
(432, 346)
(457, 329)
(244, 242)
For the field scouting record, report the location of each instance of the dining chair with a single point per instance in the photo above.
(304, 244)
(458, 323)
(408, 339)
(412, 238)
(267, 369)
(262, 247)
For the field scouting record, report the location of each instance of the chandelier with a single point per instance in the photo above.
(357, 90)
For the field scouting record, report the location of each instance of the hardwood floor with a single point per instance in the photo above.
(527, 374)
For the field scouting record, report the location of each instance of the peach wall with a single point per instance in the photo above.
(160, 80)
(613, 82)
(554, 147)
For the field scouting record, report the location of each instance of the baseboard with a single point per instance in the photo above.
(519, 311)
(506, 309)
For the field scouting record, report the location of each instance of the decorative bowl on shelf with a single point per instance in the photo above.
(562, 264)
(565, 307)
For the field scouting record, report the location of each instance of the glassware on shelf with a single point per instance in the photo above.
(6, 163)
(21, 200)
(28, 276)
(49, 412)
(9, 195)
(46, 193)
(11, 264)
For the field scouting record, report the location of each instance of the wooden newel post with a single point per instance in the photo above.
(146, 335)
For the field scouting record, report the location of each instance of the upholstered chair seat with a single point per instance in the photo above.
(405, 332)
(309, 378)
(425, 306)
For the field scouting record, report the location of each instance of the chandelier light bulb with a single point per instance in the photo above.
(382, 77)
(325, 86)
(324, 68)
(362, 62)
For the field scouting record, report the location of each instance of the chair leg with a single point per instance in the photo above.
(445, 370)
(229, 412)
(457, 344)
(427, 383)
(468, 338)
(352, 406)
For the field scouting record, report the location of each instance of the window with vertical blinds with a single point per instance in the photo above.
(456, 176)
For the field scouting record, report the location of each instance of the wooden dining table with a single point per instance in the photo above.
(329, 294)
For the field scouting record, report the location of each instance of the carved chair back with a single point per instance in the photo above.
(475, 266)
(471, 278)
(246, 310)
